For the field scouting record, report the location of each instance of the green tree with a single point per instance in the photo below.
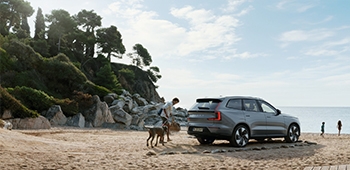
(61, 30)
(109, 40)
(140, 57)
(39, 25)
(12, 12)
(153, 73)
(106, 78)
(88, 20)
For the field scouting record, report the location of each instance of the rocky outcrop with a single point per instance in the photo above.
(125, 111)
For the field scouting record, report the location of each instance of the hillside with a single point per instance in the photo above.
(38, 82)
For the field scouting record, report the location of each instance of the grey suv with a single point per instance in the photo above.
(238, 119)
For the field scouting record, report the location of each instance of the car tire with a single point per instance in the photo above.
(292, 134)
(240, 136)
(205, 140)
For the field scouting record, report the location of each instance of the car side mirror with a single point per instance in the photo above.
(278, 112)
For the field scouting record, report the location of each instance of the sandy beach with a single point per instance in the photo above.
(67, 148)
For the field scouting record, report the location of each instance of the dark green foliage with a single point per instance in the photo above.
(31, 98)
(127, 74)
(39, 25)
(60, 32)
(153, 73)
(41, 46)
(25, 56)
(110, 42)
(6, 63)
(12, 12)
(40, 101)
(62, 77)
(8, 102)
(140, 57)
(91, 88)
(105, 77)
(89, 20)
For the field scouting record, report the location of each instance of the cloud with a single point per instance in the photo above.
(332, 48)
(294, 5)
(300, 35)
(233, 5)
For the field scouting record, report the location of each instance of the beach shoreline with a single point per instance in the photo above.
(70, 148)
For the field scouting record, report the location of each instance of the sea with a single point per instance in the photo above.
(311, 118)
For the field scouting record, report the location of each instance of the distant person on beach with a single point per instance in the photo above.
(322, 129)
(339, 127)
(166, 113)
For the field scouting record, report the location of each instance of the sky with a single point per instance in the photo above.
(288, 52)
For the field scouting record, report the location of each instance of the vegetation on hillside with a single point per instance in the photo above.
(59, 64)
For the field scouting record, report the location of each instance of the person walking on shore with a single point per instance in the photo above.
(339, 125)
(322, 129)
(167, 112)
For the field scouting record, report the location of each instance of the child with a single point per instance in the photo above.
(322, 129)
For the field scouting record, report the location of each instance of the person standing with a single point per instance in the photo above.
(322, 129)
(167, 112)
(339, 125)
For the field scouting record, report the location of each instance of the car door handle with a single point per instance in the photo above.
(247, 115)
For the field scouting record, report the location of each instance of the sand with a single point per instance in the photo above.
(67, 148)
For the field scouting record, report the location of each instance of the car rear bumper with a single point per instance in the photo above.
(217, 132)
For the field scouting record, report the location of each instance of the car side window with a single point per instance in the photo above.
(250, 105)
(267, 108)
(235, 104)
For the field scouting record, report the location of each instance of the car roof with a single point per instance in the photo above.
(232, 97)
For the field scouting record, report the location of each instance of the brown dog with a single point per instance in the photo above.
(159, 131)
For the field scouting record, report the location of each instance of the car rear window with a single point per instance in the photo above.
(205, 104)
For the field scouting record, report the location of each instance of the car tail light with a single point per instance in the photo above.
(217, 114)
(217, 117)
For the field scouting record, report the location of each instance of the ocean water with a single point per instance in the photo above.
(311, 118)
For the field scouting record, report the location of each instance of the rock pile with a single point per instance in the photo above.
(125, 111)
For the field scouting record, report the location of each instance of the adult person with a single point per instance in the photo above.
(167, 112)
(339, 125)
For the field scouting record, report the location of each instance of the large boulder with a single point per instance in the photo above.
(31, 123)
(55, 116)
(77, 120)
(99, 113)
(6, 115)
(120, 116)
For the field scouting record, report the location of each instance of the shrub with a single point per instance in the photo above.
(32, 98)
(9, 102)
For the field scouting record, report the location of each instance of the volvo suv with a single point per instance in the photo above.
(239, 119)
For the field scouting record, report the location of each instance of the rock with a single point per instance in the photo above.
(5, 125)
(108, 99)
(7, 115)
(120, 116)
(99, 113)
(150, 153)
(139, 100)
(31, 123)
(77, 120)
(56, 116)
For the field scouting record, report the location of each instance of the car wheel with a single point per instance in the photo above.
(205, 140)
(240, 136)
(293, 134)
